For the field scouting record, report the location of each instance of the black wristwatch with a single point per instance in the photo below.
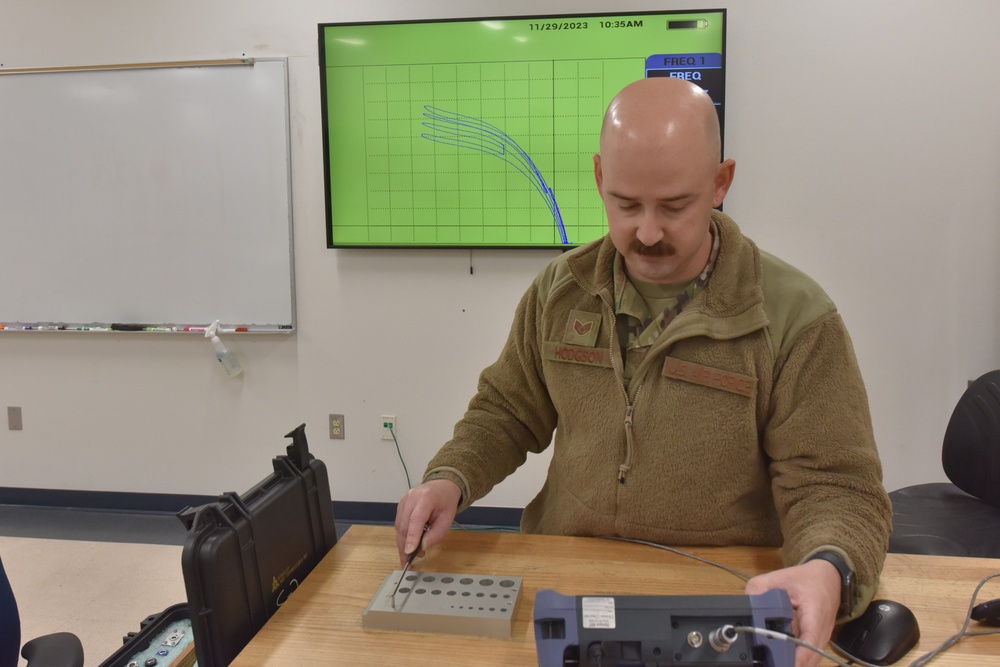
(848, 587)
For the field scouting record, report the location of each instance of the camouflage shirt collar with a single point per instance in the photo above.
(648, 326)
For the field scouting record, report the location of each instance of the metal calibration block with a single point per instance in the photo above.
(462, 604)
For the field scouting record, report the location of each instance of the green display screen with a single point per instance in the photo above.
(481, 132)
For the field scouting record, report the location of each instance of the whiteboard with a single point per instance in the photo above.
(158, 196)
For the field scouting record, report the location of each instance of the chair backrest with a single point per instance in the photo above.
(10, 623)
(970, 454)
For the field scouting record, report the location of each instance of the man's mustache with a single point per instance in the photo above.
(660, 249)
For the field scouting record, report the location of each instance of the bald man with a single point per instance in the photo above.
(700, 391)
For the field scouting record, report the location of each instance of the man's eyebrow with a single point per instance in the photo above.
(675, 198)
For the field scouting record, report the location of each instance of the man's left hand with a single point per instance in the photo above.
(814, 589)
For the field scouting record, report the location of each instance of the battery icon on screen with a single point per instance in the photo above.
(687, 25)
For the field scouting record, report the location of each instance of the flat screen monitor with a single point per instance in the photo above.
(480, 133)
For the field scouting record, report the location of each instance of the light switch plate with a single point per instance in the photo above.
(14, 422)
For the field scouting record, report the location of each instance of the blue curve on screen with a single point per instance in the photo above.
(455, 129)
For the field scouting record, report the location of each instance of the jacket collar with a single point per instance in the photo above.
(732, 301)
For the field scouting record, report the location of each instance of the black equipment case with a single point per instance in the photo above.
(245, 555)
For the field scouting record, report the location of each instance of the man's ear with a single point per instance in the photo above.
(723, 180)
(598, 174)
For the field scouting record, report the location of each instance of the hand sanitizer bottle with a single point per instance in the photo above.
(225, 356)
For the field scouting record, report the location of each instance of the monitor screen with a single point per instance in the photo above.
(480, 133)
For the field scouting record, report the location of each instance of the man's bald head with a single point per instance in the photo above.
(659, 174)
(663, 112)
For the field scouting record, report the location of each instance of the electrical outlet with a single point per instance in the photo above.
(388, 427)
(336, 427)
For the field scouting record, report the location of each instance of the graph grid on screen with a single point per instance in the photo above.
(452, 134)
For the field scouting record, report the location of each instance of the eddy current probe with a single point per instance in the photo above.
(409, 560)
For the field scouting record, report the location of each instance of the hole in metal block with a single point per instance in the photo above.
(476, 607)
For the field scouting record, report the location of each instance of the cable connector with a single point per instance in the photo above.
(722, 638)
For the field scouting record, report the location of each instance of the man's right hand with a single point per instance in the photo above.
(435, 503)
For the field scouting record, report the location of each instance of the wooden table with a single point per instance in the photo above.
(321, 623)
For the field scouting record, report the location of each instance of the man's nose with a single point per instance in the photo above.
(648, 232)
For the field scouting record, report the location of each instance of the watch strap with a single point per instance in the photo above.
(847, 581)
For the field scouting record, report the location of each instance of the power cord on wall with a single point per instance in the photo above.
(400, 455)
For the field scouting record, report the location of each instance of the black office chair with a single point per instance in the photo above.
(60, 649)
(962, 518)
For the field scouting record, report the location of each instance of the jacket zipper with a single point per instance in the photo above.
(629, 407)
(625, 467)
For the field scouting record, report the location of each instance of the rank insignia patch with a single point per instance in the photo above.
(582, 328)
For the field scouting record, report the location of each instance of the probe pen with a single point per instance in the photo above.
(409, 561)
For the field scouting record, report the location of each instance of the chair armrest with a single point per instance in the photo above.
(60, 649)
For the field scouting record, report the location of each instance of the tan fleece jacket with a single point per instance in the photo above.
(746, 423)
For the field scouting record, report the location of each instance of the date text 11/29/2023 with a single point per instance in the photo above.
(680, 24)
(584, 25)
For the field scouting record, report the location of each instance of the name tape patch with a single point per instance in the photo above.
(575, 354)
(707, 376)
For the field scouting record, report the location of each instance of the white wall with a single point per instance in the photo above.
(868, 148)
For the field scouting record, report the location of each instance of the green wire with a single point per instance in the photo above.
(400, 455)
(409, 485)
